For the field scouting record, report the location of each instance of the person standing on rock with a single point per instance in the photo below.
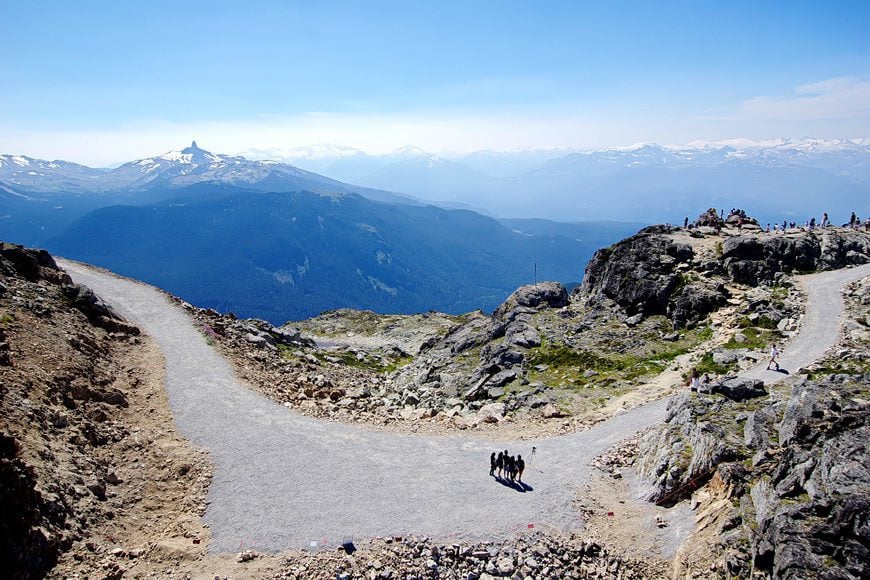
(824, 220)
(521, 466)
(492, 464)
(774, 353)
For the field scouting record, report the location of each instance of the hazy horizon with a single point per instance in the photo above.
(102, 83)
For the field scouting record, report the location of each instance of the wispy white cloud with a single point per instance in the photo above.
(370, 133)
(833, 108)
(837, 98)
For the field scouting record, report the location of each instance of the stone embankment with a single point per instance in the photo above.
(778, 474)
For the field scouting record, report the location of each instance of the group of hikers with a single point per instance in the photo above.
(507, 467)
(738, 217)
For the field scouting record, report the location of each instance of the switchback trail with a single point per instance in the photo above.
(284, 481)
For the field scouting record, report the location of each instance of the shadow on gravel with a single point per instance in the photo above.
(781, 371)
(520, 486)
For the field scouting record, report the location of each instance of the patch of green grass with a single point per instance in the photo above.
(778, 294)
(707, 366)
(6, 319)
(760, 322)
(705, 333)
(397, 364)
(755, 339)
(558, 356)
(842, 367)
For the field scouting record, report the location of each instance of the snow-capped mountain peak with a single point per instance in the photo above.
(410, 151)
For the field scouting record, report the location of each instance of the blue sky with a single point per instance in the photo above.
(100, 82)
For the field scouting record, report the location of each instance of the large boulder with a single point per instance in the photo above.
(638, 273)
(98, 312)
(709, 219)
(738, 389)
(694, 302)
(539, 296)
(31, 264)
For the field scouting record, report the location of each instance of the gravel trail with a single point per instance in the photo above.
(820, 326)
(286, 481)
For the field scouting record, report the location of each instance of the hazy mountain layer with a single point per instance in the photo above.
(782, 179)
(286, 256)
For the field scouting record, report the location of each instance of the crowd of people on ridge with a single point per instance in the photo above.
(738, 218)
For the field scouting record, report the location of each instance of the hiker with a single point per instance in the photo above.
(825, 220)
(774, 352)
(685, 223)
(695, 380)
(505, 464)
(852, 219)
(492, 461)
(812, 224)
(499, 463)
(521, 466)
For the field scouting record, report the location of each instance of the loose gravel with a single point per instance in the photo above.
(283, 481)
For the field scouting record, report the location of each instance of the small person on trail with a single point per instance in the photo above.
(521, 466)
(774, 352)
(685, 223)
(499, 463)
(492, 463)
(695, 381)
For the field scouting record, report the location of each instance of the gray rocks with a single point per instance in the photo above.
(638, 273)
(753, 260)
(540, 295)
(97, 311)
(693, 303)
(739, 389)
(685, 449)
(809, 514)
(30, 264)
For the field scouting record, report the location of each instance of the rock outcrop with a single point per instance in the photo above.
(651, 273)
(795, 475)
(639, 273)
(754, 260)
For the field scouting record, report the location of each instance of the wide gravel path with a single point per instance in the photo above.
(820, 326)
(286, 481)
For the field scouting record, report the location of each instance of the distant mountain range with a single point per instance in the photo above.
(777, 179)
(266, 239)
(38, 198)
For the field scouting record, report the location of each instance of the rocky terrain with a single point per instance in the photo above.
(778, 476)
(650, 308)
(97, 482)
(92, 473)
